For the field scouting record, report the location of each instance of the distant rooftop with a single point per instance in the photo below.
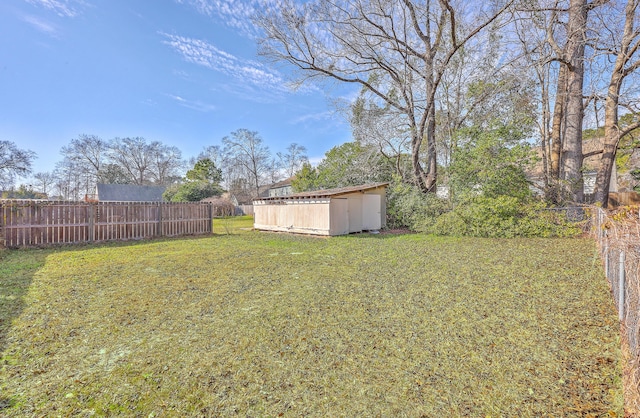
(129, 193)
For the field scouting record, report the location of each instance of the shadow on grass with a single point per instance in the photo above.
(17, 270)
(383, 234)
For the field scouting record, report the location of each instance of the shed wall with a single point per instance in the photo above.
(335, 215)
(305, 216)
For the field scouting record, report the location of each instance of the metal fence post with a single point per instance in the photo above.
(621, 287)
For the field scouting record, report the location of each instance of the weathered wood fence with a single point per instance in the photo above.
(26, 223)
(623, 199)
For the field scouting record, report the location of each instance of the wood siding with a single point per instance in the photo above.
(304, 217)
(331, 215)
(27, 223)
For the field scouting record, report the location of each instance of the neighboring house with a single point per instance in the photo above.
(590, 169)
(324, 212)
(243, 199)
(281, 188)
(128, 193)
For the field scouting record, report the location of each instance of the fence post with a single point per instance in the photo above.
(159, 219)
(621, 287)
(211, 217)
(3, 221)
(92, 222)
(599, 223)
(606, 261)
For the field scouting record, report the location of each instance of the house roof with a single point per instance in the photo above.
(129, 193)
(283, 183)
(327, 192)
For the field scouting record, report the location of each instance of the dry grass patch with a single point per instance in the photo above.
(275, 325)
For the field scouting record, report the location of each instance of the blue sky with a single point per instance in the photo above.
(183, 72)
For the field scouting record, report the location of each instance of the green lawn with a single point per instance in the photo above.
(260, 324)
(232, 225)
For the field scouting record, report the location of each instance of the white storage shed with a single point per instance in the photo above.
(324, 212)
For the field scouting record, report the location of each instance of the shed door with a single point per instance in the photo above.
(339, 209)
(355, 213)
(371, 218)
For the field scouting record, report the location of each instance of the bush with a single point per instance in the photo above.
(502, 216)
(191, 191)
(409, 207)
(222, 206)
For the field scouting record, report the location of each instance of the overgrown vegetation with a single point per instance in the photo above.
(259, 324)
(201, 182)
(479, 215)
(504, 217)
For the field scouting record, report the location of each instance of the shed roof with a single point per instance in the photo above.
(129, 193)
(327, 192)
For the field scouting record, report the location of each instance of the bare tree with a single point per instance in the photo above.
(146, 162)
(44, 181)
(87, 154)
(213, 153)
(72, 183)
(382, 130)
(132, 155)
(397, 50)
(247, 158)
(88, 151)
(14, 162)
(623, 48)
(293, 159)
(166, 164)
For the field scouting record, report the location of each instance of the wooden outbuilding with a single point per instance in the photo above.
(324, 212)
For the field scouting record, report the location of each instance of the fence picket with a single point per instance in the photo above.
(27, 223)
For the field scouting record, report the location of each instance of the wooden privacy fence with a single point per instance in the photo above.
(623, 199)
(26, 223)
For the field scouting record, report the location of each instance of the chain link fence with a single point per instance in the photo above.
(618, 236)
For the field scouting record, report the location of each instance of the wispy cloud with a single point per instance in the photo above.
(234, 13)
(193, 104)
(247, 72)
(314, 117)
(63, 8)
(41, 25)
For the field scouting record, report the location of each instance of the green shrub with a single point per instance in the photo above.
(501, 216)
(408, 207)
(191, 191)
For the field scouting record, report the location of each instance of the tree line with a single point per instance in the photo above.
(435, 74)
(472, 97)
(242, 164)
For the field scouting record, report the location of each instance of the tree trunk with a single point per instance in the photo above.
(572, 149)
(612, 132)
(432, 166)
(558, 123)
(611, 136)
